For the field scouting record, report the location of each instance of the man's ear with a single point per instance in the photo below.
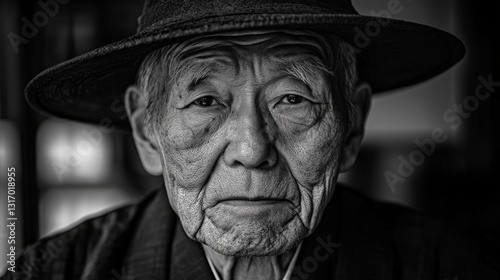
(361, 100)
(136, 103)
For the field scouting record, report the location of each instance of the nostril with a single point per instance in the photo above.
(267, 164)
(263, 157)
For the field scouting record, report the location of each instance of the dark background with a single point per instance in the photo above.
(458, 182)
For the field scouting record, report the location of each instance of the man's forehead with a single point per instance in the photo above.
(278, 45)
(282, 50)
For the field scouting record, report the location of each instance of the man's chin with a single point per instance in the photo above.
(252, 240)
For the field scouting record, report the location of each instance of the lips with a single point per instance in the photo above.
(252, 202)
(230, 212)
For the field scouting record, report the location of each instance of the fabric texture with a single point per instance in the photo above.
(356, 239)
(391, 53)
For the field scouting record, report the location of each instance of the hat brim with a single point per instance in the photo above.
(90, 87)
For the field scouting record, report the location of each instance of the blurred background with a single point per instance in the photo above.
(66, 171)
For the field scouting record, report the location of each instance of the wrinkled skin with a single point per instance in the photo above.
(250, 153)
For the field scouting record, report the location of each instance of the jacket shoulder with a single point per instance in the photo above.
(66, 255)
(425, 246)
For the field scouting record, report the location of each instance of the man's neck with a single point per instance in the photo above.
(232, 268)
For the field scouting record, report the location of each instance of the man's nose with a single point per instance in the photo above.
(250, 142)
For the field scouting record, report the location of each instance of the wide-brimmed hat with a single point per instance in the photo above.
(391, 53)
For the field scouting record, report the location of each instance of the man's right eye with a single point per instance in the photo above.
(205, 101)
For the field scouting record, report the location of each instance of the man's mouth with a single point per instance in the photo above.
(253, 208)
(252, 202)
(233, 211)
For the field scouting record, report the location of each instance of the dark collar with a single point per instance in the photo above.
(160, 248)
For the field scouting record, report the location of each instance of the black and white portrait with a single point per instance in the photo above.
(218, 139)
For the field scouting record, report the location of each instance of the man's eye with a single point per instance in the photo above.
(205, 101)
(292, 99)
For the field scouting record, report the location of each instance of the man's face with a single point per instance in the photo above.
(250, 138)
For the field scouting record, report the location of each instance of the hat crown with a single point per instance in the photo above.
(161, 12)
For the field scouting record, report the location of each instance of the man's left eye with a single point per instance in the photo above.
(205, 101)
(292, 99)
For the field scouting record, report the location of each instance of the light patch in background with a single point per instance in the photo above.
(85, 26)
(73, 153)
(62, 208)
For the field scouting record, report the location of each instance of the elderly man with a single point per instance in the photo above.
(249, 110)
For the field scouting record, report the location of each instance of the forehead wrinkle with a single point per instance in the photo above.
(286, 48)
(261, 42)
(207, 51)
(270, 38)
(255, 63)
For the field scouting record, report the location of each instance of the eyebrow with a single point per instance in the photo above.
(195, 70)
(305, 68)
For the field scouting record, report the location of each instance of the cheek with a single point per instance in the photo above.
(189, 131)
(189, 146)
(297, 121)
(316, 151)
